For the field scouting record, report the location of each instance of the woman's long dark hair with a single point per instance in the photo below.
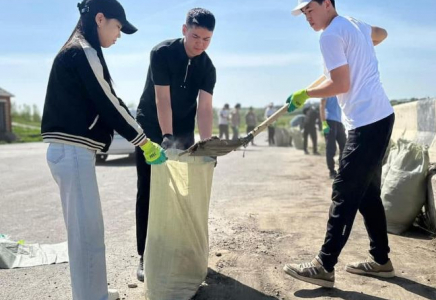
(87, 28)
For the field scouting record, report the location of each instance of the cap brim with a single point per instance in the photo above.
(128, 28)
(297, 10)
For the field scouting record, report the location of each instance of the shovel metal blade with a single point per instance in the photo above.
(215, 146)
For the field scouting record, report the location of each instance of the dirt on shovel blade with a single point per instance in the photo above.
(215, 147)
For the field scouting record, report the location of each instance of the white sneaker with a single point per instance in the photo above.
(113, 294)
(371, 267)
(312, 272)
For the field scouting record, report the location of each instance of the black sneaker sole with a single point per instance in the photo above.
(320, 282)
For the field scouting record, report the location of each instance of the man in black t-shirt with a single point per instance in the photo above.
(180, 72)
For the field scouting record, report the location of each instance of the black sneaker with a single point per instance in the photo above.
(140, 270)
(312, 272)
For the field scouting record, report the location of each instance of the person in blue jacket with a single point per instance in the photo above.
(333, 130)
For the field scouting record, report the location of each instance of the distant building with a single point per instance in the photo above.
(5, 116)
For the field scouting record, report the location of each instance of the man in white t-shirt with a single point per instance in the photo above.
(270, 110)
(223, 121)
(347, 46)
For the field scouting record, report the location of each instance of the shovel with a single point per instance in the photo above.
(214, 146)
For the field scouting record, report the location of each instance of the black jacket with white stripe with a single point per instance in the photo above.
(80, 107)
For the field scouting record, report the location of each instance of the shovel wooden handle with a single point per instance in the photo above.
(281, 111)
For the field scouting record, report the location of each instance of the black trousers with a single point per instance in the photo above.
(235, 131)
(144, 175)
(224, 131)
(249, 129)
(310, 130)
(357, 187)
(335, 135)
(271, 133)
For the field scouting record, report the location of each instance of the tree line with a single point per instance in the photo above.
(25, 112)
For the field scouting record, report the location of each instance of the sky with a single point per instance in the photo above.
(261, 52)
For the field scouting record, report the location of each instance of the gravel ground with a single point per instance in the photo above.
(267, 208)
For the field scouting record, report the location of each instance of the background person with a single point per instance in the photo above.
(269, 111)
(250, 121)
(236, 121)
(333, 130)
(309, 129)
(223, 121)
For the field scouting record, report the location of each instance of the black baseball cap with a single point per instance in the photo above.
(111, 9)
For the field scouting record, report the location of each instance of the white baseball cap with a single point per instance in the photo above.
(301, 4)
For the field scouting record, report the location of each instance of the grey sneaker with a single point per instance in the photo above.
(312, 272)
(370, 267)
(113, 295)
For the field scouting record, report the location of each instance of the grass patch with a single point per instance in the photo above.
(284, 120)
(26, 135)
(20, 120)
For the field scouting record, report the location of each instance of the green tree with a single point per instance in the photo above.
(36, 116)
(26, 112)
(15, 110)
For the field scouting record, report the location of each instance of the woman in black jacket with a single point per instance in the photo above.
(81, 112)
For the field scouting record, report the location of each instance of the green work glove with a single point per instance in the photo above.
(153, 153)
(325, 127)
(297, 100)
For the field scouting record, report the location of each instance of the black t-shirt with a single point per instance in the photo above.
(171, 66)
(311, 117)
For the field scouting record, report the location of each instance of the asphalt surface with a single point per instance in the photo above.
(267, 208)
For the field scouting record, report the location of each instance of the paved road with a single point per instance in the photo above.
(266, 209)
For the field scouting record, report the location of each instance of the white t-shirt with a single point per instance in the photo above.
(348, 41)
(223, 117)
(269, 112)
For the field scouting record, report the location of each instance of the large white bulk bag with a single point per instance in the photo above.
(404, 184)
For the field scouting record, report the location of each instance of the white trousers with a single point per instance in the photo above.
(73, 169)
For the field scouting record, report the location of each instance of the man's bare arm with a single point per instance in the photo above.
(164, 110)
(339, 83)
(205, 115)
(322, 109)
